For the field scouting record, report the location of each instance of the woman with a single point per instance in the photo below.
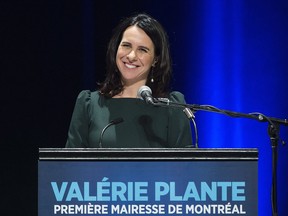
(137, 55)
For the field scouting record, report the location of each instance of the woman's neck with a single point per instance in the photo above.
(129, 91)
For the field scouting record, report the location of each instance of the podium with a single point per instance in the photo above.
(182, 181)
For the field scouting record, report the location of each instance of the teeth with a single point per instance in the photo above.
(130, 66)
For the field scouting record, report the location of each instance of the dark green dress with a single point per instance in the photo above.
(143, 126)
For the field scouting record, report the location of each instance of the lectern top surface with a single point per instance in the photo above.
(148, 154)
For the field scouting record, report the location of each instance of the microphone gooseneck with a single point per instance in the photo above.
(112, 122)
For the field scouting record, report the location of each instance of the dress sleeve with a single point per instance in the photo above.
(79, 125)
(180, 134)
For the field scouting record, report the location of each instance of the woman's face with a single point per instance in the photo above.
(135, 56)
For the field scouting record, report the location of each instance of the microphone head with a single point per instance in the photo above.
(142, 91)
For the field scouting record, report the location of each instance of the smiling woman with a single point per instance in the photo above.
(137, 55)
(141, 38)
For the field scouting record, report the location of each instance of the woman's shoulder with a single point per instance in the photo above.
(89, 95)
(177, 96)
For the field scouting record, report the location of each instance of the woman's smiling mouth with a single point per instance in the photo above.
(130, 66)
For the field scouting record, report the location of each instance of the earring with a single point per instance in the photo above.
(152, 79)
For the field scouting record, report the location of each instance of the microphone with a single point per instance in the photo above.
(112, 122)
(145, 93)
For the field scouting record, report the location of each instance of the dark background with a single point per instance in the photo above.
(51, 50)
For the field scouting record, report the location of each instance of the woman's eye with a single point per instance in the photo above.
(125, 45)
(143, 50)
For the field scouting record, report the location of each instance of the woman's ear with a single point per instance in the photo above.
(154, 62)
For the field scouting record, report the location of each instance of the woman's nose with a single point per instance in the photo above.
(132, 55)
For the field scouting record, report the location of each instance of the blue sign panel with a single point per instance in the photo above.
(147, 188)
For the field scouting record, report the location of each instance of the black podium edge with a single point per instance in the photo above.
(120, 154)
